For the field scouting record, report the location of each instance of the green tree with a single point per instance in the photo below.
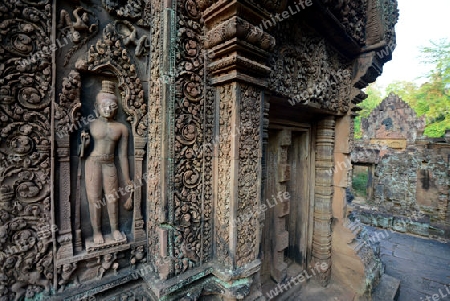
(431, 99)
(438, 54)
(406, 90)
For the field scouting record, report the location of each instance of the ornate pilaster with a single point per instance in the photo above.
(139, 153)
(237, 51)
(321, 248)
(66, 122)
(154, 147)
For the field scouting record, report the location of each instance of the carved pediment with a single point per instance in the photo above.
(312, 74)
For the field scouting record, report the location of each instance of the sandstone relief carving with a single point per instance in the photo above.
(352, 15)
(26, 248)
(101, 173)
(206, 126)
(312, 74)
(79, 31)
(128, 33)
(99, 242)
(133, 9)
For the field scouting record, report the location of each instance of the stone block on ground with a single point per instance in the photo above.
(387, 290)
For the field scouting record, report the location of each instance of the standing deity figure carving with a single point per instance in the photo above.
(106, 134)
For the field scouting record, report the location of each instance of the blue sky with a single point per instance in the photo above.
(420, 21)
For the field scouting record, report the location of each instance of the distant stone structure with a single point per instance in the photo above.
(393, 123)
(408, 173)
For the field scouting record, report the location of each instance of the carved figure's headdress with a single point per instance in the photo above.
(108, 87)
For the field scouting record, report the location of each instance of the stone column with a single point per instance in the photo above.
(323, 194)
(138, 227)
(237, 49)
(65, 229)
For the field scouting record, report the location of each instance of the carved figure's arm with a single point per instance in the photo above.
(85, 142)
(123, 156)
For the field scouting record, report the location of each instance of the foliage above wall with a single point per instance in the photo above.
(431, 99)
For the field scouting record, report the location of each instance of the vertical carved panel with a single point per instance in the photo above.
(207, 150)
(249, 193)
(26, 240)
(192, 159)
(321, 249)
(154, 136)
(226, 95)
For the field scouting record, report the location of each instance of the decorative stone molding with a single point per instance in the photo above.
(242, 30)
(66, 123)
(237, 47)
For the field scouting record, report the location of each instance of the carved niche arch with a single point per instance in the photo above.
(108, 54)
(106, 57)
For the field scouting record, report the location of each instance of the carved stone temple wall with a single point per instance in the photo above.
(407, 172)
(179, 150)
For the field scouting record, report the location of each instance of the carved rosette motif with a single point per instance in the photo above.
(192, 152)
(208, 172)
(311, 73)
(249, 172)
(323, 193)
(26, 256)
